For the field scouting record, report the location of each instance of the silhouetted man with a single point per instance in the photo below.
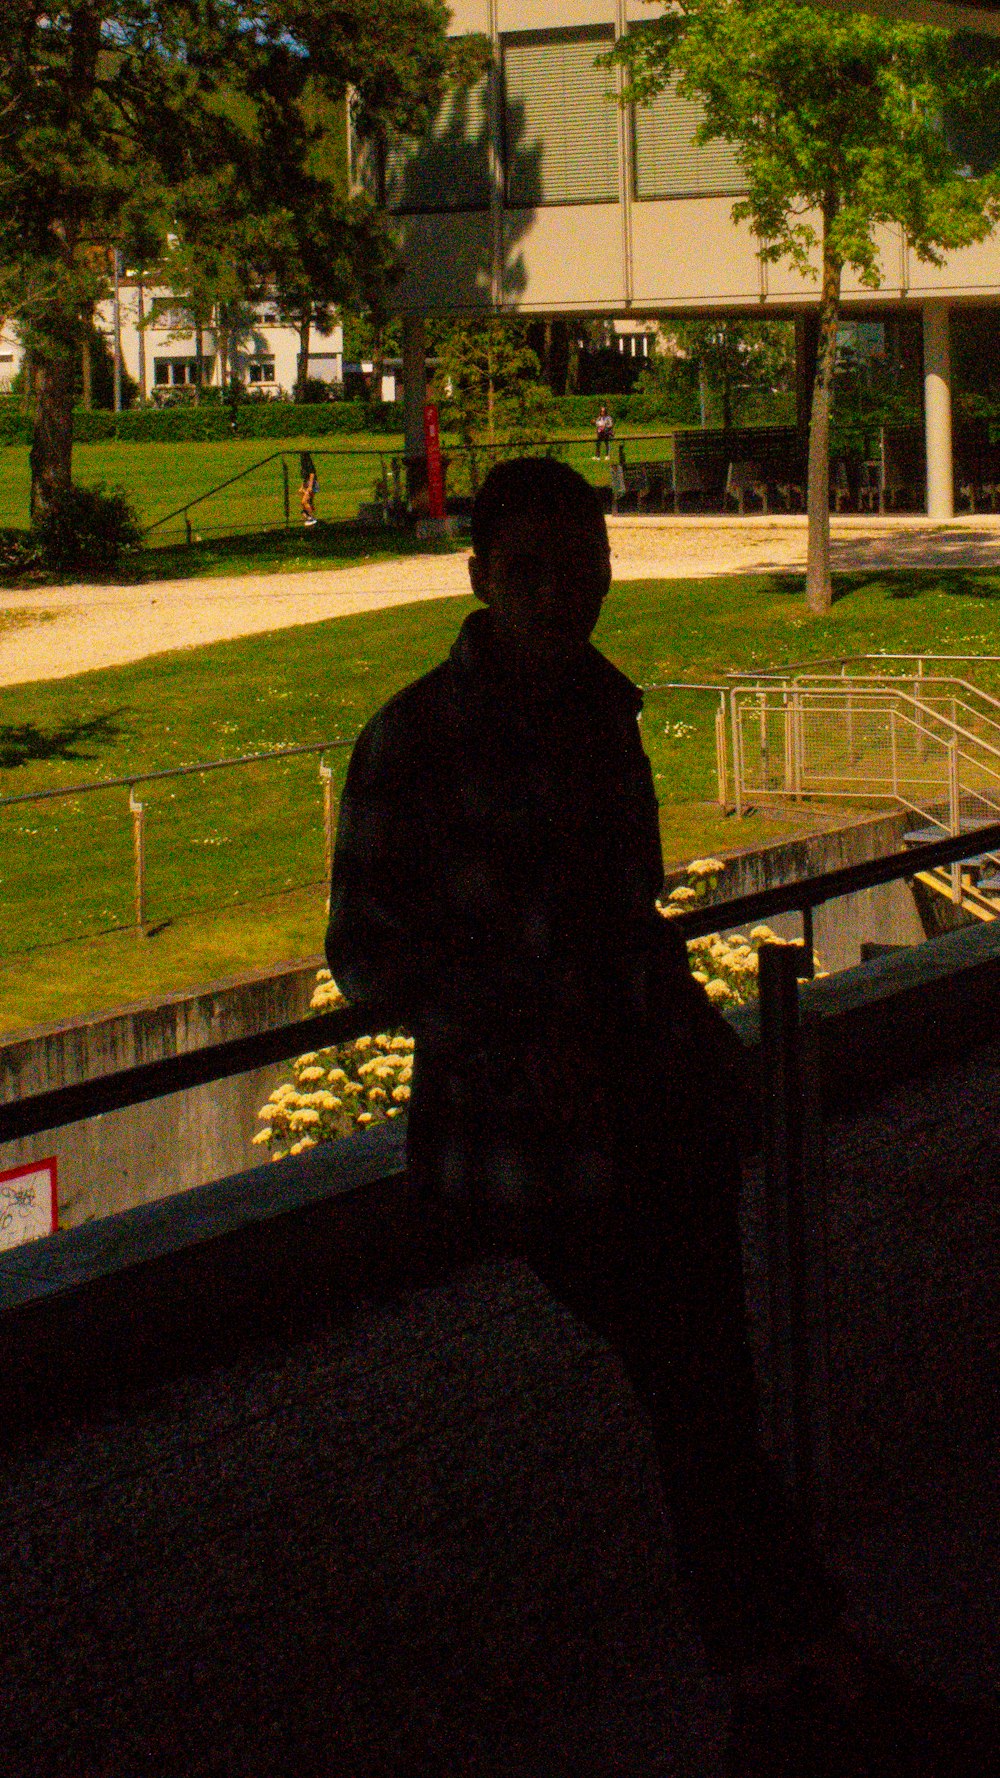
(575, 1093)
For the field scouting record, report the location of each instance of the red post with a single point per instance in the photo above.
(435, 475)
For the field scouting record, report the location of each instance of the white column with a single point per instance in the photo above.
(414, 384)
(937, 411)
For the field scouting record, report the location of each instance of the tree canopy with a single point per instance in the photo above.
(128, 122)
(839, 121)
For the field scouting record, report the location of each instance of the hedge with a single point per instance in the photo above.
(212, 422)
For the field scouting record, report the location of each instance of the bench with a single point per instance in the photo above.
(766, 462)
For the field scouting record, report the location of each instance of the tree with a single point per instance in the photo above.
(488, 385)
(838, 121)
(152, 116)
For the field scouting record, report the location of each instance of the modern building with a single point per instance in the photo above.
(536, 194)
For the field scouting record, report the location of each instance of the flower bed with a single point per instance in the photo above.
(336, 1091)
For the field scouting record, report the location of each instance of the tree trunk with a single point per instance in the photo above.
(52, 442)
(199, 361)
(302, 367)
(86, 393)
(819, 588)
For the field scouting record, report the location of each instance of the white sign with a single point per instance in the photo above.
(28, 1203)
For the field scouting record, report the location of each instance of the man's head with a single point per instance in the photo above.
(541, 559)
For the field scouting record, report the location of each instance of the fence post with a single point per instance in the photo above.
(139, 857)
(284, 489)
(796, 1234)
(798, 747)
(954, 816)
(894, 750)
(737, 754)
(326, 778)
(720, 755)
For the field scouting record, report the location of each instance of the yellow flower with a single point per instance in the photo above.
(718, 991)
(401, 1043)
(682, 893)
(700, 976)
(362, 1043)
(300, 1120)
(279, 1155)
(304, 1061)
(264, 1135)
(336, 1076)
(323, 975)
(377, 1095)
(401, 1094)
(393, 1111)
(383, 1040)
(311, 1074)
(364, 1117)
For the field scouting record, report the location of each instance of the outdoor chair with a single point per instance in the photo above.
(648, 482)
(743, 478)
(903, 469)
(701, 461)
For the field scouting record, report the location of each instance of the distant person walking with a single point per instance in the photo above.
(605, 431)
(309, 488)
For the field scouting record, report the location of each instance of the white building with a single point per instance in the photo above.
(162, 355)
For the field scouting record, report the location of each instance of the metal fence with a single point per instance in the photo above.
(368, 484)
(87, 858)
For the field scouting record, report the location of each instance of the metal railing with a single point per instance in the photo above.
(134, 1086)
(137, 810)
(927, 743)
(389, 492)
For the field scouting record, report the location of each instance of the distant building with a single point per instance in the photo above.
(162, 356)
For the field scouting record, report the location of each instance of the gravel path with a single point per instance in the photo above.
(51, 632)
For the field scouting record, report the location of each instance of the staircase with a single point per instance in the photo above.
(925, 742)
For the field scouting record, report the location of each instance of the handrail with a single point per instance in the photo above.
(151, 1080)
(209, 765)
(366, 451)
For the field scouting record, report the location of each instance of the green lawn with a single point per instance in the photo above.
(244, 838)
(159, 478)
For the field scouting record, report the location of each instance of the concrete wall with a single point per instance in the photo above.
(131, 1157)
(143, 1152)
(884, 915)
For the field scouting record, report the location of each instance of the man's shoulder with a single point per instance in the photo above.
(412, 718)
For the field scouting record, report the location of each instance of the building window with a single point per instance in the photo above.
(560, 127)
(449, 168)
(260, 370)
(668, 163)
(179, 373)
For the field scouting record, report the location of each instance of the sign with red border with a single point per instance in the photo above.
(435, 472)
(29, 1206)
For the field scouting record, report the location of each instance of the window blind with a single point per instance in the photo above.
(449, 168)
(669, 163)
(560, 129)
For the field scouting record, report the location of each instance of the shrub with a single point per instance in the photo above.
(336, 1091)
(19, 553)
(86, 529)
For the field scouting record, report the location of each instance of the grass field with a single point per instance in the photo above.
(254, 836)
(161, 477)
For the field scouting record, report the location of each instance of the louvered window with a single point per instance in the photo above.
(669, 163)
(560, 128)
(449, 169)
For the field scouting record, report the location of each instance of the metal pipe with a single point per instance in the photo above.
(139, 859)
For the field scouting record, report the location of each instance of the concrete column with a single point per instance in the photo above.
(414, 384)
(937, 411)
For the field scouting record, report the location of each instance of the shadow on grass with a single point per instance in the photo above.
(334, 545)
(897, 583)
(23, 742)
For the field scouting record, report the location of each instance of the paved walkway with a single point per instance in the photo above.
(63, 630)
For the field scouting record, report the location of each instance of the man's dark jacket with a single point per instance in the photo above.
(495, 877)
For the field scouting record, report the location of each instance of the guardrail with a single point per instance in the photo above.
(133, 1086)
(391, 462)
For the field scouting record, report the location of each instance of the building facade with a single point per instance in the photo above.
(159, 349)
(535, 193)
